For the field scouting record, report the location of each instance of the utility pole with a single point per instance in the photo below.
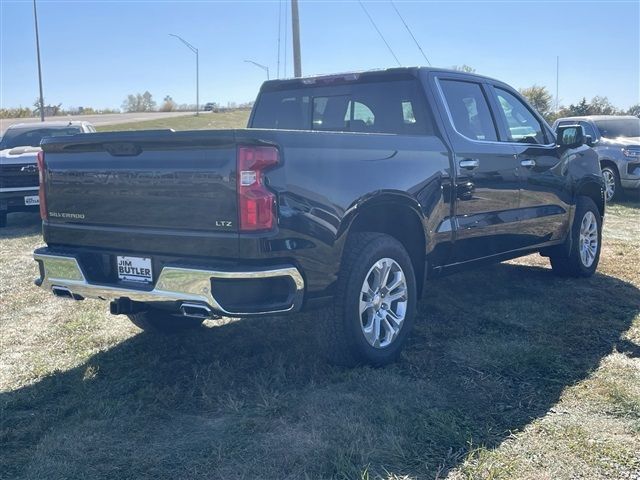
(35, 18)
(295, 27)
(557, 83)
(194, 50)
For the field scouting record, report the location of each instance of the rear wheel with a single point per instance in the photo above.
(374, 306)
(156, 320)
(613, 189)
(580, 258)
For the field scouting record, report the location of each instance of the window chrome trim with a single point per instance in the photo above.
(443, 99)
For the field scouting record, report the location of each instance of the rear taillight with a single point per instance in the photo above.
(256, 203)
(43, 198)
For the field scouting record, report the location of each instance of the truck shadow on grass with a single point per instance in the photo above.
(492, 350)
(21, 224)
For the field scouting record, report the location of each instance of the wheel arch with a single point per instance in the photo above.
(397, 215)
(606, 162)
(595, 191)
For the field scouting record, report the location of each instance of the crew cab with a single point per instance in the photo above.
(19, 147)
(345, 195)
(616, 140)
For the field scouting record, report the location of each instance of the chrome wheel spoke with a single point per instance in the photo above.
(400, 293)
(372, 332)
(391, 331)
(398, 280)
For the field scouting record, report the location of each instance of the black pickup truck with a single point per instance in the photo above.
(345, 195)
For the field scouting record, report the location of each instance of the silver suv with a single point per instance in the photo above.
(616, 140)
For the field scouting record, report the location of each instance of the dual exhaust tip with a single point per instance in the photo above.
(124, 306)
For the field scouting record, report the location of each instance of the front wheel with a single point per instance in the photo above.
(156, 320)
(580, 256)
(374, 305)
(612, 187)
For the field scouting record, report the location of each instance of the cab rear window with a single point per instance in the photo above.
(31, 137)
(395, 107)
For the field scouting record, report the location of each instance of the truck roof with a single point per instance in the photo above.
(378, 74)
(596, 117)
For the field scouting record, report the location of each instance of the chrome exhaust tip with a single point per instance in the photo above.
(196, 310)
(64, 292)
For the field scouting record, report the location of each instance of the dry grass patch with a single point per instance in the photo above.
(523, 376)
(204, 121)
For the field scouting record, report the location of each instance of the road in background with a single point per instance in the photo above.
(97, 120)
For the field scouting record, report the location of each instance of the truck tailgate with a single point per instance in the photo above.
(147, 180)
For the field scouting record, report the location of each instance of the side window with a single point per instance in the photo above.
(522, 125)
(589, 130)
(407, 113)
(359, 117)
(469, 109)
(330, 113)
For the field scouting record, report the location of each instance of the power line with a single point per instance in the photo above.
(379, 33)
(410, 32)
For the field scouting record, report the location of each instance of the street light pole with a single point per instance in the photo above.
(194, 50)
(35, 18)
(259, 65)
(295, 27)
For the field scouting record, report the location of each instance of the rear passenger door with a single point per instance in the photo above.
(545, 193)
(486, 170)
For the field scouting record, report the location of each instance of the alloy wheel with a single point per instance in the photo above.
(383, 303)
(588, 239)
(609, 184)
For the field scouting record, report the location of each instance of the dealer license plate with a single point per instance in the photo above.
(134, 269)
(32, 200)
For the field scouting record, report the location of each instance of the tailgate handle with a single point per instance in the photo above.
(122, 149)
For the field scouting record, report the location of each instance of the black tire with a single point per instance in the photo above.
(567, 260)
(340, 326)
(3, 219)
(611, 173)
(161, 321)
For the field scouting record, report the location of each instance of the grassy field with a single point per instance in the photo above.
(206, 120)
(511, 373)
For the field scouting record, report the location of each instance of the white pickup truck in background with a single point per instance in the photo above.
(19, 149)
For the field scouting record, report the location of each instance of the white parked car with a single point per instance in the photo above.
(19, 149)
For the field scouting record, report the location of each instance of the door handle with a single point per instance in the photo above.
(469, 163)
(528, 163)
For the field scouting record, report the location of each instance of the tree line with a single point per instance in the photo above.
(540, 99)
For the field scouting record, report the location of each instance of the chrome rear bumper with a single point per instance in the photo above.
(63, 273)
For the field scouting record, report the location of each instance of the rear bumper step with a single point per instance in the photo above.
(191, 289)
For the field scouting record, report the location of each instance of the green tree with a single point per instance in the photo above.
(601, 106)
(539, 98)
(140, 102)
(148, 104)
(582, 108)
(634, 110)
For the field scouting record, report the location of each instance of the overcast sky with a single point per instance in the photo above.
(96, 52)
